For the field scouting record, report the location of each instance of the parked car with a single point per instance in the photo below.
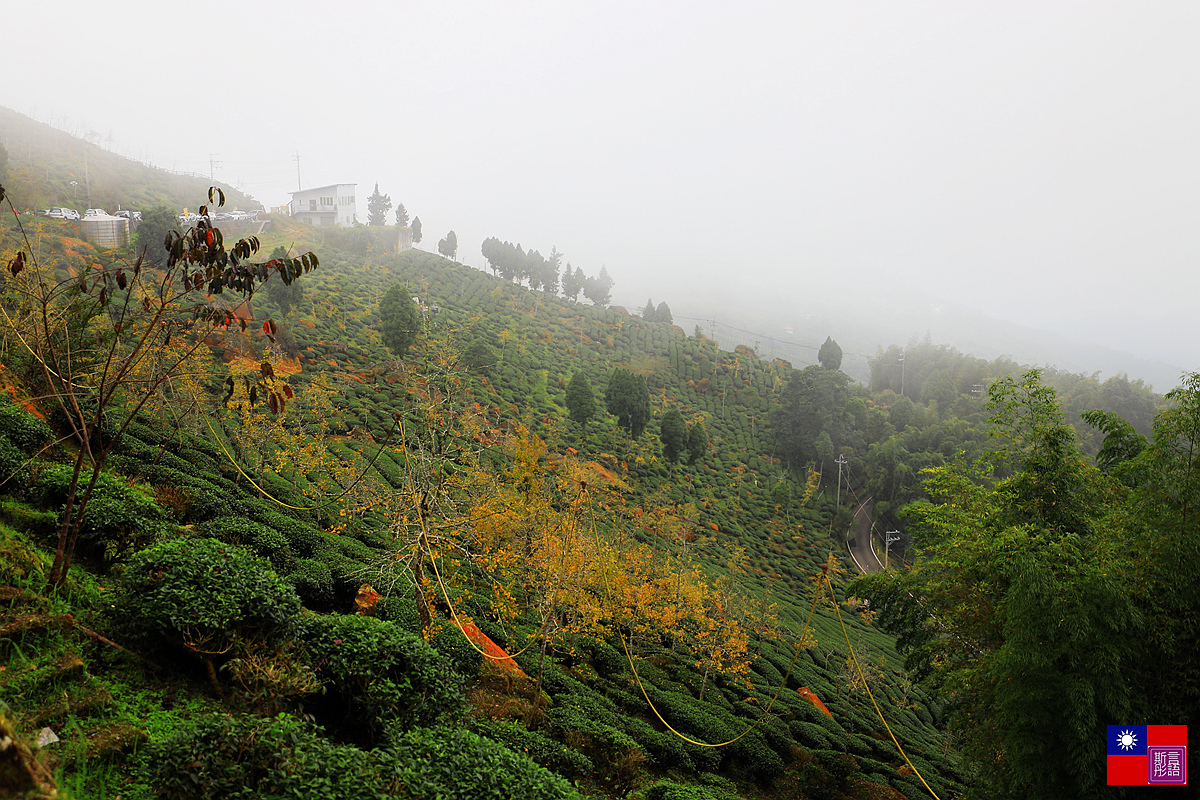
(95, 212)
(132, 216)
(62, 213)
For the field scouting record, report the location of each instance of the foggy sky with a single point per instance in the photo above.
(1036, 161)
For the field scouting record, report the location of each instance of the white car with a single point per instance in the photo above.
(132, 216)
(95, 212)
(62, 213)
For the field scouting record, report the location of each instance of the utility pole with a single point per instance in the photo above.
(212, 168)
(87, 176)
(299, 188)
(841, 461)
(901, 373)
(888, 538)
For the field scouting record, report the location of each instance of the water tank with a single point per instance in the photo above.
(106, 232)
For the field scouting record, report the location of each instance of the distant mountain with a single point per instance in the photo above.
(793, 325)
(43, 162)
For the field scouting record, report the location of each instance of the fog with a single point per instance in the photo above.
(1034, 162)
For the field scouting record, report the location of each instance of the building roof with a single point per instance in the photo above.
(318, 188)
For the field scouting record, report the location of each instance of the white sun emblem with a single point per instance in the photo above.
(1127, 740)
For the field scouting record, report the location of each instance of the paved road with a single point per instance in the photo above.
(860, 539)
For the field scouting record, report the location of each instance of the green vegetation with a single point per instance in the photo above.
(399, 320)
(271, 574)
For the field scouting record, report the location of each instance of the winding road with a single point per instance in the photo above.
(859, 542)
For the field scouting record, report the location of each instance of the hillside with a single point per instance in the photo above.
(356, 537)
(43, 162)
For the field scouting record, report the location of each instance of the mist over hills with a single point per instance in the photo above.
(866, 315)
(787, 317)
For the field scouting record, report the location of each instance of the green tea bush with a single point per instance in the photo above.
(14, 471)
(313, 582)
(446, 764)
(374, 672)
(25, 430)
(400, 609)
(205, 595)
(235, 530)
(608, 660)
(551, 754)
(266, 542)
(301, 537)
(239, 757)
(451, 643)
(117, 519)
(669, 790)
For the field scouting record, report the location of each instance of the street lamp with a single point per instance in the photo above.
(888, 538)
(75, 192)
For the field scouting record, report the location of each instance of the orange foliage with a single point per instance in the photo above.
(283, 366)
(808, 695)
(366, 600)
(499, 658)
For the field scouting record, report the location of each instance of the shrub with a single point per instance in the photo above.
(375, 672)
(14, 472)
(551, 754)
(266, 542)
(618, 758)
(253, 757)
(118, 518)
(25, 430)
(669, 790)
(205, 595)
(301, 537)
(444, 764)
(400, 609)
(313, 582)
(607, 659)
(451, 643)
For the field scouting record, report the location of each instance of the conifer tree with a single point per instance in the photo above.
(377, 207)
(399, 319)
(581, 400)
(697, 443)
(674, 434)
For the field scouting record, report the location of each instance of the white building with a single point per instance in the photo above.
(326, 206)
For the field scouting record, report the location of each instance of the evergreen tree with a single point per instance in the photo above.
(449, 245)
(830, 354)
(599, 288)
(628, 398)
(416, 230)
(581, 400)
(377, 207)
(401, 215)
(674, 434)
(697, 443)
(649, 313)
(399, 319)
(572, 282)
(550, 271)
(663, 313)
